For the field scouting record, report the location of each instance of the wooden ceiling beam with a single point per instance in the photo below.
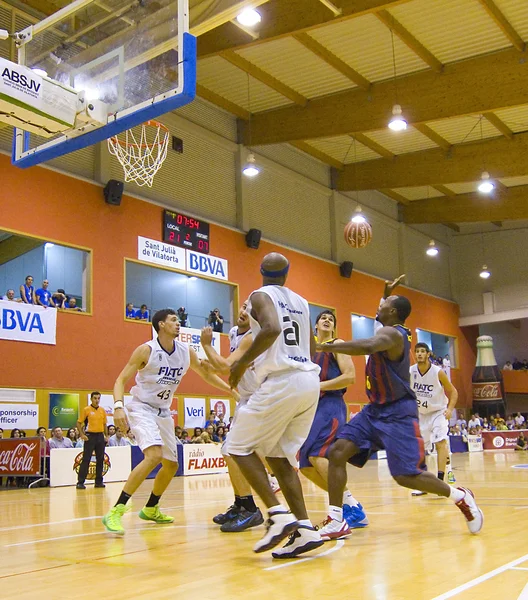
(497, 223)
(433, 136)
(462, 89)
(370, 143)
(498, 124)
(330, 58)
(322, 156)
(260, 75)
(498, 16)
(444, 190)
(281, 18)
(452, 226)
(464, 163)
(395, 196)
(470, 208)
(409, 40)
(222, 102)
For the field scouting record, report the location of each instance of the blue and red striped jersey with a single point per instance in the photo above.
(329, 370)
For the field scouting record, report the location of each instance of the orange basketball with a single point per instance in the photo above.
(358, 235)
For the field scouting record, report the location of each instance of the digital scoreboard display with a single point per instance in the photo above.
(184, 231)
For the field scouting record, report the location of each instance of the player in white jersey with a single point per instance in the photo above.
(244, 513)
(159, 366)
(279, 413)
(436, 397)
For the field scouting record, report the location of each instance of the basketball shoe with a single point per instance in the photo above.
(153, 513)
(229, 514)
(355, 516)
(418, 493)
(470, 510)
(301, 541)
(243, 520)
(334, 530)
(451, 477)
(112, 519)
(278, 526)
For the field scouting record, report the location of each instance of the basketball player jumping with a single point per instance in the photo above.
(159, 366)
(278, 415)
(437, 397)
(244, 513)
(337, 371)
(390, 421)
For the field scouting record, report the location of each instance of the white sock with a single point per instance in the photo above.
(278, 508)
(306, 523)
(336, 512)
(456, 495)
(349, 499)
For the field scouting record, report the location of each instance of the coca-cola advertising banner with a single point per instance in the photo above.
(489, 390)
(501, 440)
(20, 456)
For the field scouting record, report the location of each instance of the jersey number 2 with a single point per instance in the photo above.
(164, 395)
(290, 331)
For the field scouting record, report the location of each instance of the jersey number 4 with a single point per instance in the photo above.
(164, 395)
(290, 331)
(422, 404)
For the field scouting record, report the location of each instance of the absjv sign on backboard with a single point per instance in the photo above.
(194, 409)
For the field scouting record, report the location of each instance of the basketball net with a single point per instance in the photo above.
(141, 155)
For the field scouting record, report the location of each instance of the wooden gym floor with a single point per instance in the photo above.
(53, 544)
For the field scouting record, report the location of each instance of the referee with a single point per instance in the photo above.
(94, 418)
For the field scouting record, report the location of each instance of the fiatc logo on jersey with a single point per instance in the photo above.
(169, 376)
(27, 323)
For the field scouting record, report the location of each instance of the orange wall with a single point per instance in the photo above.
(91, 350)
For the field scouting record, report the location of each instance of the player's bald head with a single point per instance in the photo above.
(274, 268)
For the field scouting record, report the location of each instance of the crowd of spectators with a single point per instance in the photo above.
(214, 432)
(516, 365)
(141, 314)
(42, 296)
(215, 319)
(477, 424)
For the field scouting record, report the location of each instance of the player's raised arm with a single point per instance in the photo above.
(218, 362)
(450, 391)
(211, 378)
(348, 373)
(387, 339)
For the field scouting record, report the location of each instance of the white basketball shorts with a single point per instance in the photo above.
(277, 418)
(434, 427)
(153, 427)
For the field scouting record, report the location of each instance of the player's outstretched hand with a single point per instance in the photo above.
(206, 336)
(120, 419)
(448, 413)
(236, 372)
(322, 348)
(390, 286)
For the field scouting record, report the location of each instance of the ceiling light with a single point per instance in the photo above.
(485, 273)
(397, 122)
(486, 185)
(432, 250)
(250, 169)
(48, 245)
(358, 217)
(40, 72)
(249, 17)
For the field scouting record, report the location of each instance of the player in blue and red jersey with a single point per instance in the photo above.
(389, 421)
(337, 371)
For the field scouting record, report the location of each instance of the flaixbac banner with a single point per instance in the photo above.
(63, 410)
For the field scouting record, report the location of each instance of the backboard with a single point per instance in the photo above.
(136, 56)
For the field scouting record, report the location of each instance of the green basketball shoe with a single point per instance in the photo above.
(112, 519)
(153, 513)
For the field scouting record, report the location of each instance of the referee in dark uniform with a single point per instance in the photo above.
(93, 417)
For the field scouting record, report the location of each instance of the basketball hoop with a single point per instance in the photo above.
(142, 157)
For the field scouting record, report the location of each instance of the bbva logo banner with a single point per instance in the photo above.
(205, 264)
(27, 323)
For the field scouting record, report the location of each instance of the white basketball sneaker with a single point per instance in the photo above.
(418, 493)
(468, 506)
(278, 526)
(301, 541)
(334, 530)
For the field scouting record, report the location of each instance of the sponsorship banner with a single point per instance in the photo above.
(27, 323)
(19, 416)
(63, 410)
(205, 264)
(162, 254)
(107, 402)
(475, 443)
(501, 440)
(222, 408)
(203, 459)
(65, 463)
(487, 392)
(191, 336)
(17, 395)
(20, 456)
(194, 409)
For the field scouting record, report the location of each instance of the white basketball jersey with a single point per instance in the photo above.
(291, 350)
(248, 384)
(428, 389)
(157, 381)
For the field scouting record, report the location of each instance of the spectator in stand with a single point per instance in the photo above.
(212, 419)
(210, 430)
(205, 438)
(216, 320)
(220, 435)
(228, 426)
(118, 439)
(44, 451)
(196, 438)
(73, 435)
(185, 437)
(184, 317)
(15, 433)
(519, 421)
(446, 366)
(517, 364)
(178, 431)
(510, 422)
(111, 430)
(59, 298)
(27, 291)
(521, 442)
(142, 314)
(525, 365)
(43, 296)
(1, 433)
(10, 296)
(485, 424)
(473, 422)
(58, 440)
(508, 366)
(461, 421)
(130, 313)
(72, 305)
(22, 433)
